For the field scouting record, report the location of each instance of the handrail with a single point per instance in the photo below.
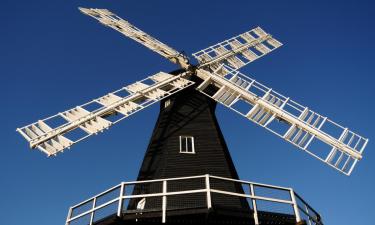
(248, 182)
(207, 187)
(304, 202)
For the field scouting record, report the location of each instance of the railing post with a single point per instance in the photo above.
(308, 214)
(164, 206)
(252, 192)
(120, 201)
(295, 206)
(93, 211)
(208, 189)
(69, 216)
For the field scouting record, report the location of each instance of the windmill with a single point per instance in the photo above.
(187, 141)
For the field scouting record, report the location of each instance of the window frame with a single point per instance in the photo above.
(185, 138)
(167, 103)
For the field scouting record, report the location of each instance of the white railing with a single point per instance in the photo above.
(131, 198)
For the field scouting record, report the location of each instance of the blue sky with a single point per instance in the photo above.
(54, 58)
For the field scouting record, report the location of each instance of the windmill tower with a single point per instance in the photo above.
(187, 174)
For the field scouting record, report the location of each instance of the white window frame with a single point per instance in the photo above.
(186, 147)
(167, 103)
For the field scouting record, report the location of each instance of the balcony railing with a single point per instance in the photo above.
(140, 197)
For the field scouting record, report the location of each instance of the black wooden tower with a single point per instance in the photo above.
(186, 115)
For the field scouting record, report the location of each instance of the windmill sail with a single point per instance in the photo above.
(218, 67)
(315, 134)
(53, 134)
(113, 21)
(238, 51)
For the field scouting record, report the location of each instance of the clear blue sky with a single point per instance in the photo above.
(53, 58)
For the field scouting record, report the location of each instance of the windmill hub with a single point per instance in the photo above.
(187, 141)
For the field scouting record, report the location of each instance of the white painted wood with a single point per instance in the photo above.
(254, 203)
(51, 140)
(113, 21)
(300, 207)
(222, 58)
(164, 203)
(227, 51)
(299, 128)
(136, 87)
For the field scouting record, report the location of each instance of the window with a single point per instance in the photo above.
(167, 103)
(187, 144)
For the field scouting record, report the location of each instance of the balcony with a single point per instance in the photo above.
(164, 200)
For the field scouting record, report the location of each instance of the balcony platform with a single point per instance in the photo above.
(189, 200)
